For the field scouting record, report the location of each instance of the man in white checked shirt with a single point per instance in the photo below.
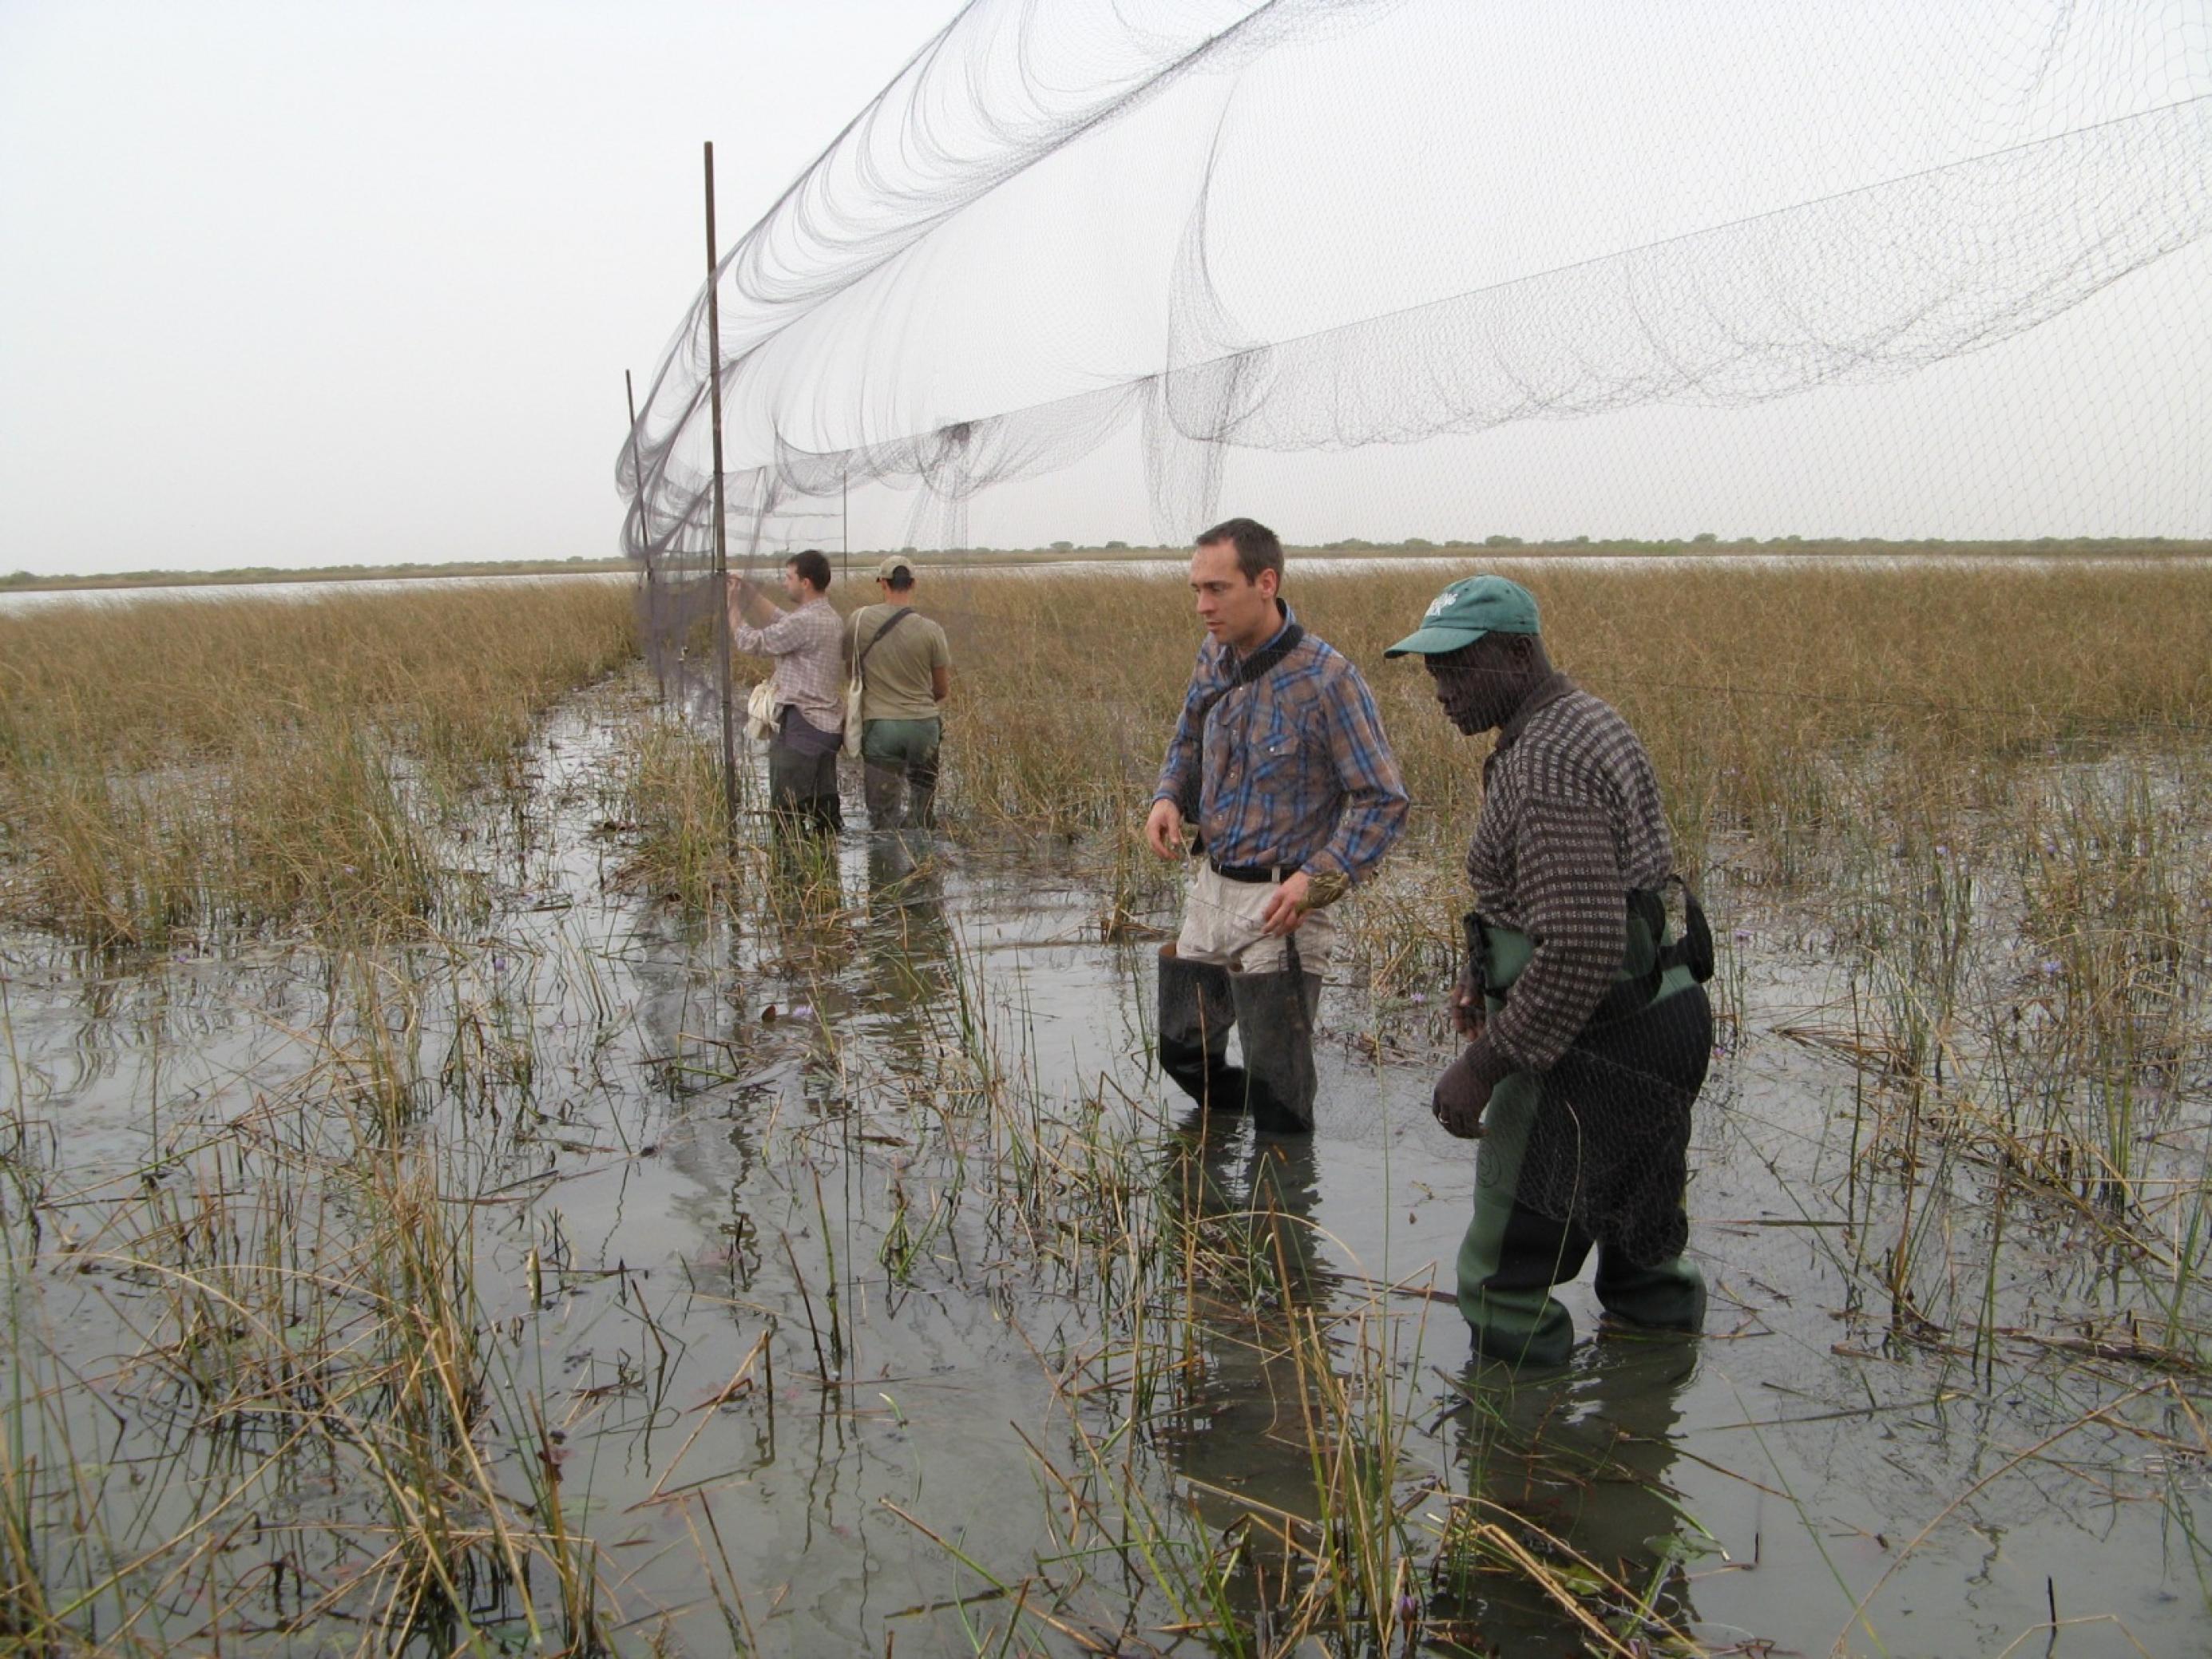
(808, 645)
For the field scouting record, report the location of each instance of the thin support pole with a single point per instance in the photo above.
(644, 544)
(721, 534)
(845, 517)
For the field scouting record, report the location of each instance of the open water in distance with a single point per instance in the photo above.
(1455, 563)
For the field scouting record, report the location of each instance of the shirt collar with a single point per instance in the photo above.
(1545, 692)
(1289, 617)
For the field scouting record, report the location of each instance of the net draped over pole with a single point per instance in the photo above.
(1202, 227)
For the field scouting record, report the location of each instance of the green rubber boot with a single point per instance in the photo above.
(1504, 1285)
(1670, 1296)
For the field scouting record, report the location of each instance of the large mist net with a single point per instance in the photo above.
(1133, 240)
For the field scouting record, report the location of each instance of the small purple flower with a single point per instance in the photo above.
(2054, 966)
(1744, 936)
(802, 1010)
(1417, 998)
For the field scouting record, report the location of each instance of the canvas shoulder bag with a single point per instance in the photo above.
(856, 684)
(760, 711)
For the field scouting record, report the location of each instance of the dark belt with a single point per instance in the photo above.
(1254, 873)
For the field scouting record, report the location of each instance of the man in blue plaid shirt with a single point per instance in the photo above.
(1296, 797)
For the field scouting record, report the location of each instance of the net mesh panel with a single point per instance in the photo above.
(677, 599)
(1201, 229)
(1609, 241)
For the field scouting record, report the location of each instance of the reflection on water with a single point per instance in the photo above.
(906, 941)
(1572, 1469)
(1566, 1470)
(1250, 1424)
(1257, 1264)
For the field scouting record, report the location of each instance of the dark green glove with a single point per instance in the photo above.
(1463, 1090)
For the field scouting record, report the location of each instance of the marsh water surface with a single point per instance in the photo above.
(818, 1231)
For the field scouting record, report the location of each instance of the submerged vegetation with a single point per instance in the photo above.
(456, 1199)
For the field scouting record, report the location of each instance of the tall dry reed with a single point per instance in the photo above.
(230, 763)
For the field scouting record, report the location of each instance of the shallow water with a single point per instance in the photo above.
(292, 591)
(715, 1162)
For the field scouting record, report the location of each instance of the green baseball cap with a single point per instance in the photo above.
(1465, 612)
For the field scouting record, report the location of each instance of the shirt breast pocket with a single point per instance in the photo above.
(1278, 759)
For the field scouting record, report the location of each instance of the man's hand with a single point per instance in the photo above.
(1286, 906)
(747, 599)
(1163, 829)
(1463, 1091)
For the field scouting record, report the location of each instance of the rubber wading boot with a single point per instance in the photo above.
(1276, 1013)
(921, 793)
(1670, 1296)
(1510, 1258)
(1196, 1014)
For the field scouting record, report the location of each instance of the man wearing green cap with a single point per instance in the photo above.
(1590, 1031)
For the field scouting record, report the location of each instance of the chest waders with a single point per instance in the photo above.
(1512, 1254)
(1200, 1001)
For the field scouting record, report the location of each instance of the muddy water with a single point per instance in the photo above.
(801, 1336)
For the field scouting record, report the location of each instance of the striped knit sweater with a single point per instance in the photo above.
(1570, 821)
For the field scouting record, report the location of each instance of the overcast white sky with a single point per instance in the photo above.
(302, 284)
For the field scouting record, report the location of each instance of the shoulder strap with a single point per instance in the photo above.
(1254, 667)
(876, 638)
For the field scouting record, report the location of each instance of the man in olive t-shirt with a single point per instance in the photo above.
(906, 669)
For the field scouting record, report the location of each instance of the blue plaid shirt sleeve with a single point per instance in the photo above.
(1374, 805)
